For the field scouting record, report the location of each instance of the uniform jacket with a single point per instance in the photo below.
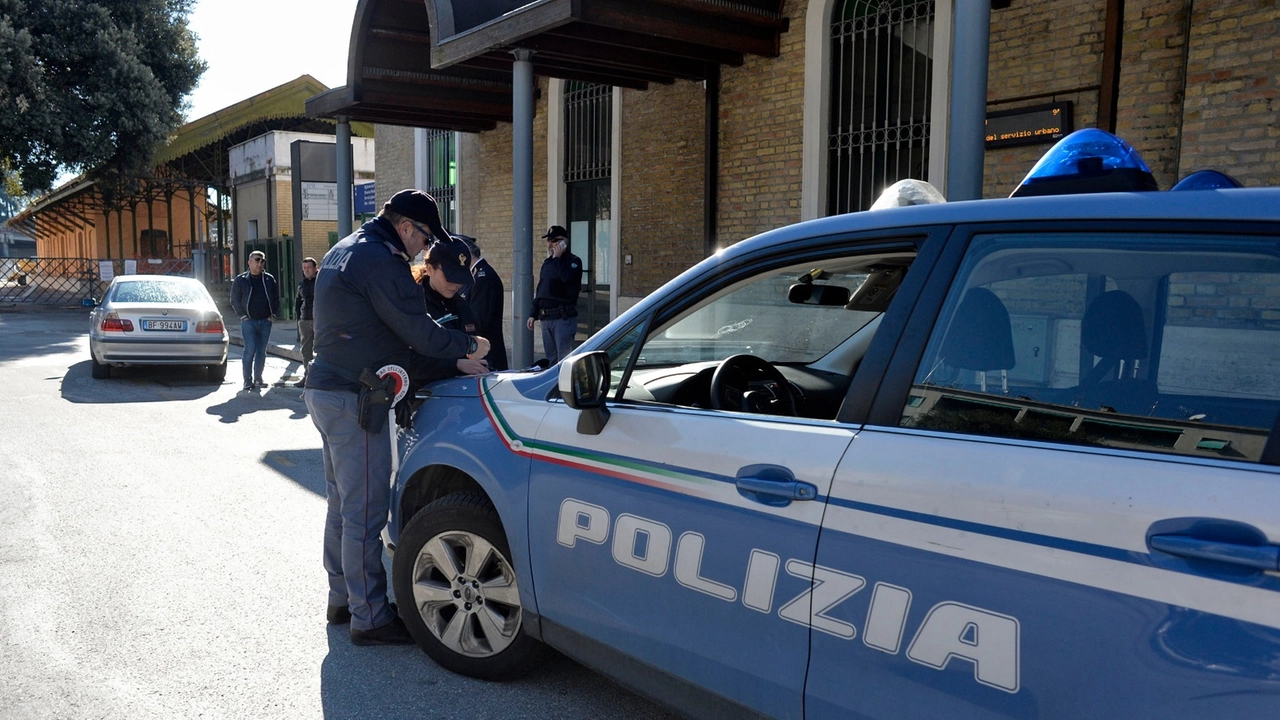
(486, 297)
(454, 313)
(304, 302)
(559, 282)
(242, 289)
(369, 312)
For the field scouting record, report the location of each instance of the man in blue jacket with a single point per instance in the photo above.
(369, 313)
(255, 300)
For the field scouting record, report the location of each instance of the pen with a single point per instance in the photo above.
(446, 318)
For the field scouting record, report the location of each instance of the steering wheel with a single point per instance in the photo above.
(748, 383)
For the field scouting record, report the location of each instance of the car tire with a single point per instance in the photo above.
(218, 373)
(99, 371)
(457, 590)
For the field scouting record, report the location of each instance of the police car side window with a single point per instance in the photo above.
(1144, 342)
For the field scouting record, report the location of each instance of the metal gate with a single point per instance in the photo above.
(881, 77)
(72, 281)
(588, 166)
(442, 174)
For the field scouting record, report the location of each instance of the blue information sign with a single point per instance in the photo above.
(364, 199)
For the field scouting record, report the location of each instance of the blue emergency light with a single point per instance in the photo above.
(1206, 180)
(1087, 161)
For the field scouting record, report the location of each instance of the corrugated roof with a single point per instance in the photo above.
(283, 101)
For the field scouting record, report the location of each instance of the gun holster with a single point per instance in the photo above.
(374, 400)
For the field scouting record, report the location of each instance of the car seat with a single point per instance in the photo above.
(980, 337)
(1113, 330)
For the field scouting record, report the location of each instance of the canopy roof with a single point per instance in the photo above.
(448, 64)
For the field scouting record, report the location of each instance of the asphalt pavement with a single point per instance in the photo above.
(160, 557)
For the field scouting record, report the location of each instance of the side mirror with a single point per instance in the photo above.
(813, 294)
(88, 302)
(584, 385)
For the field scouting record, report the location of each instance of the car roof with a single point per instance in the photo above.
(1237, 204)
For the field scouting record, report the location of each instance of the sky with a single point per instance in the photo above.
(255, 45)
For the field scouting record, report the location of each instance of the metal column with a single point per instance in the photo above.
(345, 178)
(522, 206)
(968, 115)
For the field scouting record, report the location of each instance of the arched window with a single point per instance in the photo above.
(881, 70)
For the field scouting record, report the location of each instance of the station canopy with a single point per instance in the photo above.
(448, 63)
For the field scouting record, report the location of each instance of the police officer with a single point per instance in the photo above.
(487, 298)
(446, 276)
(555, 303)
(369, 313)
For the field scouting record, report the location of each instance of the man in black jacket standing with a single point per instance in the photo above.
(303, 303)
(256, 301)
(555, 303)
(487, 299)
(369, 314)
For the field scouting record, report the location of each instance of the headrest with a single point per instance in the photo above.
(1112, 327)
(981, 337)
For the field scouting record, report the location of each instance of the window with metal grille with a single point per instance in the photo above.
(881, 74)
(442, 174)
(588, 125)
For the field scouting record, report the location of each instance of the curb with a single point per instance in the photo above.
(277, 350)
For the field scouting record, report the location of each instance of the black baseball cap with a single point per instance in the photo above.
(555, 231)
(419, 207)
(451, 256)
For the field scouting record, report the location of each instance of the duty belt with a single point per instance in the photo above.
(563, 311)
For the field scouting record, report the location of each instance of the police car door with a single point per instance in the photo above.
(675, 547)
(1065, 501)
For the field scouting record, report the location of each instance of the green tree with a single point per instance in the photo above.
(90, 85)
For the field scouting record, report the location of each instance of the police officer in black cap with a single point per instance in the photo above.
(369, 313)
(487, 298)
(445, 277)
(555, 303)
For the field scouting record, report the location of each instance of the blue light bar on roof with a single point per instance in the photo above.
(1087, 161)
(1206, 180)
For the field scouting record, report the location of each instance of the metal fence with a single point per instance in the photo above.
(71, 281)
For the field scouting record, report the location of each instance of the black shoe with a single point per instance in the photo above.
(393, 633)
(301, 383)
(339, 614)
(259, 383)
(248, 387)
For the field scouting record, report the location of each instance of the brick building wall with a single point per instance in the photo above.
(1232, 114)
(663, 151)
(1040, 49)
(761, 121)
(393, 146)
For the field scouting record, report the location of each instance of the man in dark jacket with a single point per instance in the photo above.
(256, 301)
(303, 303)
(555, 303)
(369, 313)
(487, 299)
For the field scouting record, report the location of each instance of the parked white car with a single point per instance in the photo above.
(157, 320)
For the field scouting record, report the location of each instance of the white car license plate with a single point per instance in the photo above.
(178, 325)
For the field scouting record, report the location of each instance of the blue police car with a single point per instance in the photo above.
(1008, 458)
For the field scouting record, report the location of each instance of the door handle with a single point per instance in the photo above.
(773, 485)
(1258, 557)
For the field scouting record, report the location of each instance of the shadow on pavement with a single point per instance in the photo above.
(153, 383)
(61, 332)
(355, 685)
(304, 467)
(273, 398)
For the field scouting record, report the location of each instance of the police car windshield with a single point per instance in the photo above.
(757, 317)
